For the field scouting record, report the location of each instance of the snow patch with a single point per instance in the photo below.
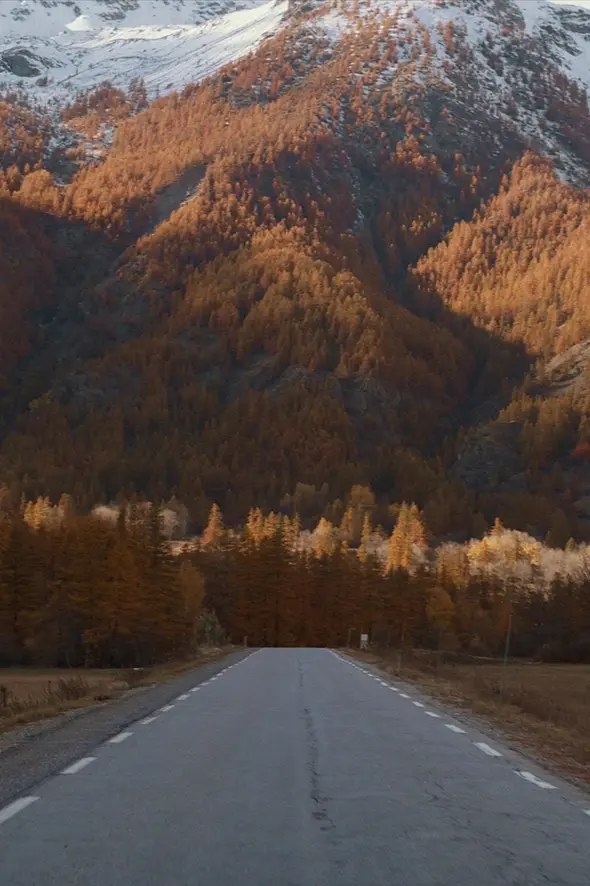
(584, 4)
(82, 23)
(334, 24)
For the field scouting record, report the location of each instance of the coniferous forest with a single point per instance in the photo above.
(109, 591)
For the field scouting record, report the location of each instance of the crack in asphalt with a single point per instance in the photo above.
(320, 813)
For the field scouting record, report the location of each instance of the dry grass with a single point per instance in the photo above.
(29, 694)
(542, 708)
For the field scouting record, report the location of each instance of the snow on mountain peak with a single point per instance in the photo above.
(83, 23)
(523, 65)
(562, 27)
(77, 43)
(507, 56)
(56, 48)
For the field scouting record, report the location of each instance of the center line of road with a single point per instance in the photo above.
(182, 697)
(528, 776)
(147, 720)
(78, 766)
(195, 688)
(403, 695)
(15, 807)
(491, 752)
(586, 811)
(432, 714)
(117, 739)
(166, 708)
(454, 728)
(418, 704)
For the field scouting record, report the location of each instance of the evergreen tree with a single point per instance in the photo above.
(214, 533)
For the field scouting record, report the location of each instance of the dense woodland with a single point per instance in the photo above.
(84, 591)
(90, 591)
(277, 585)
(301, 276)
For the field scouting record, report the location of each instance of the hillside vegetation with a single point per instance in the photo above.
(290, 278)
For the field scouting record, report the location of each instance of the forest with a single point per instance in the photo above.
(90, 591)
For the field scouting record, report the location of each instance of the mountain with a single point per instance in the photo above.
(55, 48)
(328, 264)
(526, 62)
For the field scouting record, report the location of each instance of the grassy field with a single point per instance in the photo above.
(544, 708)
(28, 694)
(32, 686)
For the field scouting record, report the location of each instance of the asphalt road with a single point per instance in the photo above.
(77, 733)
(296, 767)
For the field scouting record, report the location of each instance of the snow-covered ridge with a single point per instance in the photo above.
(492, 61)
(77, 44)
(509, 51)
(50, 18)
(561, 26)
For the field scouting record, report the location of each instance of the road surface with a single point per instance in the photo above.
(297, 767)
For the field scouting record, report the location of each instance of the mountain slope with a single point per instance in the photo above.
(63, 47)
(275, 279)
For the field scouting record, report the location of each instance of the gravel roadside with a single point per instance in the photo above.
(36, 751)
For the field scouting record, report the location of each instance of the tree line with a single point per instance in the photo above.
(273, 584)
(110, 591)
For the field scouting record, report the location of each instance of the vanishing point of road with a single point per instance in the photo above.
(297, 767)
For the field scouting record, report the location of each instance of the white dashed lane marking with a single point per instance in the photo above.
(487, 749)
(122, 736)
(78, 766)
(481, 745)
(529, 776)
(15, 807)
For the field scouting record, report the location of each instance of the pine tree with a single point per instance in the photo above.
(214, 533)
(366, 535)
(399, 551)
(255, 525)
(324, 538)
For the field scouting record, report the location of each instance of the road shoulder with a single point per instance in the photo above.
(38, 750)
(545, 744)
